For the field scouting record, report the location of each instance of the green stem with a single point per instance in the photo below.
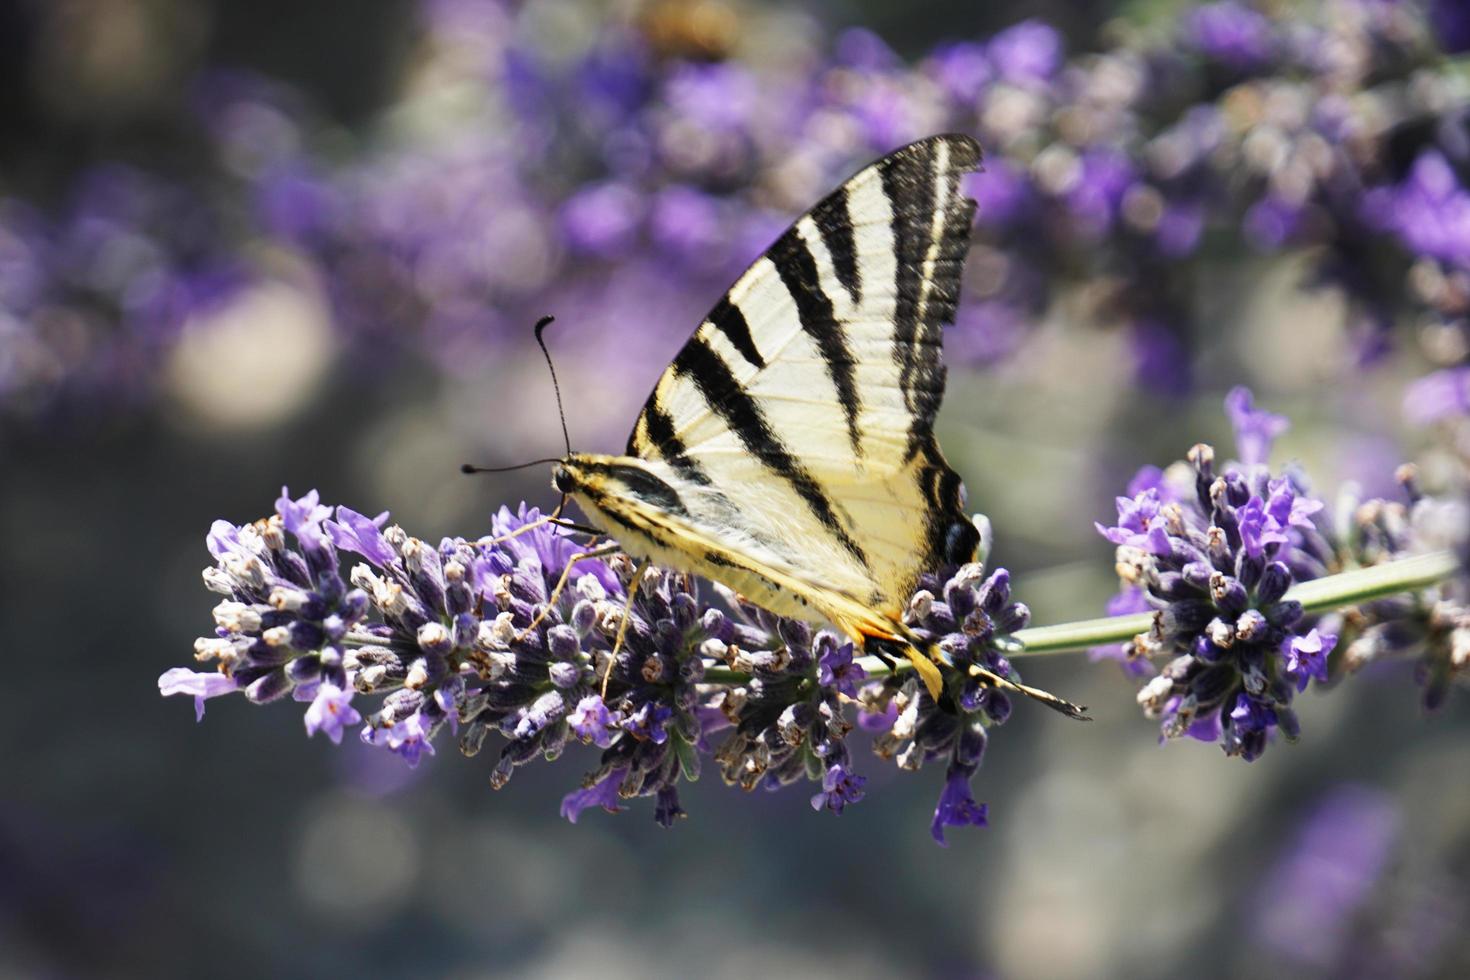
(1317, 596)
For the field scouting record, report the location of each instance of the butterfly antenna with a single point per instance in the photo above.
(469, 468)
(541, 326)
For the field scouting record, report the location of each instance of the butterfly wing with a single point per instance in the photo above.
(799, 417)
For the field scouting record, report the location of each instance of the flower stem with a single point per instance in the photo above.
(1317, 596)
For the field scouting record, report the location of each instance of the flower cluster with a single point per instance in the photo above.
(1432, 626)
(1213, 555)
(518, 635)
(653, 144)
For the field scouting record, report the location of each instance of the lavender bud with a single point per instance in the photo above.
(1284, 614)
(563, 643)
(564, 675)
(1229, 594)
(269, 687)
(1275, 580)
(1250, 626)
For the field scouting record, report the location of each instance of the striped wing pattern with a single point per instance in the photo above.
(795, 428)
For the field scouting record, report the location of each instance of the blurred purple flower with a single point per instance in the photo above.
(1028, 52)
(1230, 33)
(1180, 226)
(860, 48)
(1161, 362)
(1305, 909)
(602, 219)
(963, 68)
(1440, 395)
(1104, 177)
(1256, 430)
(1272, 222)
(1002, 193)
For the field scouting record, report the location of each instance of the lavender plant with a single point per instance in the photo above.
(473, 636)
(509, 172)
(465, 636)
(1214, 555)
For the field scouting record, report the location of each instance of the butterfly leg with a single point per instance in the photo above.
(561, 583)
(622, 629)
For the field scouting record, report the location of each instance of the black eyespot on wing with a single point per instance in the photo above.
(960, 542)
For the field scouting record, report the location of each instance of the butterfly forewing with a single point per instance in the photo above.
(797, 422)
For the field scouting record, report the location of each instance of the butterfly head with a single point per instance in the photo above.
(563, 477)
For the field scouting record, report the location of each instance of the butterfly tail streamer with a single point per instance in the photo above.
(1077, 711)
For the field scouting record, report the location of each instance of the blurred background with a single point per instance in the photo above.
(243, 245)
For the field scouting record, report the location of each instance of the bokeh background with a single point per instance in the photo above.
(243, 245)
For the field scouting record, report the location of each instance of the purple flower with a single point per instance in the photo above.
(837, 670)
(304, 517)
(592, 722)
(839, 788)
(957, 807)
(1140, 525)
(361, 535)
(330, 710)
(603, 793)
(551, 547)
(1230, 33)
(649, 722)
(409, 738)
(1306, 657)
(1255, 429)
(1028, 52)
(202, 685)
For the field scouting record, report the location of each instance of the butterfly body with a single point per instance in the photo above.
(788, 451)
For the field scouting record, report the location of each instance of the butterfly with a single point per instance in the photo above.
(788, 452)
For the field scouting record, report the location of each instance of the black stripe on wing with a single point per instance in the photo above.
(920, 181)
(728, 320)
(658, 428)
(725, 396)
(797, 267)
(834, 221)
